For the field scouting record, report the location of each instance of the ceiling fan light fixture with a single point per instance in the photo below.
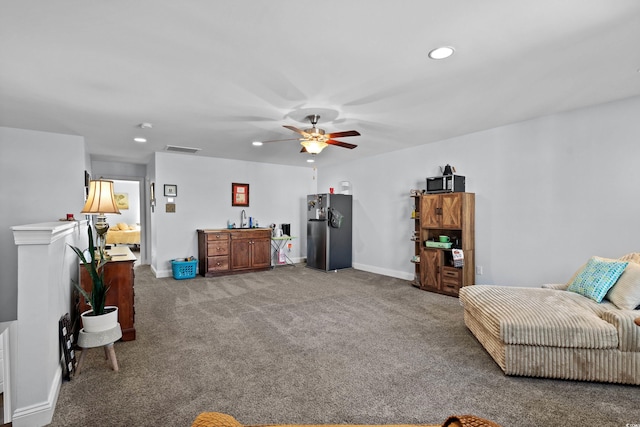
(441, 52)
(312, 146)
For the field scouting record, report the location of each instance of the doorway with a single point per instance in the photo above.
(130, 197)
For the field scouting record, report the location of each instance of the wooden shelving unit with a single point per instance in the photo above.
(415, 217)
(452, 215)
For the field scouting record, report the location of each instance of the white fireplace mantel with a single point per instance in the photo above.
(43, 233)
(47, 267)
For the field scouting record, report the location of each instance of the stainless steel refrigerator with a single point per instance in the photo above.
(329, 231)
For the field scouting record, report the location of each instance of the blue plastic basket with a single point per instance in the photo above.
(184, 269)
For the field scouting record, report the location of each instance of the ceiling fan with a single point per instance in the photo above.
(314, 139)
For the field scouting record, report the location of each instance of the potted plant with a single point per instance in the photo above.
(100, 317)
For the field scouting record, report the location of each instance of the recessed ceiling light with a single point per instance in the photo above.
(257, 143)
(441, 52)
(140, 139)
(310, 161)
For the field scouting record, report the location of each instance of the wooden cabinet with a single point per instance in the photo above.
(231, 251)
(251, 250)
(430, 262)
(213, 252)
(442, 210)
(119, 276)
(452, 215)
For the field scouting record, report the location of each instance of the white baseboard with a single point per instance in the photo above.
(365, 267)
(162, 273)
(383, 271)
(169, 273)
(41, 413)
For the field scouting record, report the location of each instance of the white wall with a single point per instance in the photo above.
(117, 170)
(132, 214)
(41, 179)
(550, 192)
(277, 194)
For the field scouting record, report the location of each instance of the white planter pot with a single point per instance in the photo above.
(101, 323)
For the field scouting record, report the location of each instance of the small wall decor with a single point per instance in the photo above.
(122, 200)
(152, 196)
(87, 179)
(239, 194)
(170, 190)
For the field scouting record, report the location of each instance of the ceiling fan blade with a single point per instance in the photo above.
(341, 144)
(343, 134)
(279, 140)
(304, 150)
(295, 129)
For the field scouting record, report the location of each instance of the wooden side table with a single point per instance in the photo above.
(119, 276)
(87, 340)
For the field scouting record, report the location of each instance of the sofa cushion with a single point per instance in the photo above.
(541, 317)
(632, 257)
(625, 294)
(597, 277)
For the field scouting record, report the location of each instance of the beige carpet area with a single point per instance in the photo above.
(295, 345)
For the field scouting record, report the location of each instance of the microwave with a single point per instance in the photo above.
(445, 184)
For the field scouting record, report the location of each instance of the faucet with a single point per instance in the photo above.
(243, 219)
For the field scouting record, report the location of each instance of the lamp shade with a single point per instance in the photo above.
(313, 146)
(101, 199)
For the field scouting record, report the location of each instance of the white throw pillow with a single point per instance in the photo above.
(625, 294)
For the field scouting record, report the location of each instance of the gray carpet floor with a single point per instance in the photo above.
(295, 345)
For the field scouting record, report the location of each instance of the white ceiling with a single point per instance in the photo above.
(218, 75)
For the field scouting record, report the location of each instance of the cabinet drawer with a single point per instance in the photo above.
(251, 234)
(452, 288)
(217, 248)
(218, 263)
(451, 274)
(217, 236)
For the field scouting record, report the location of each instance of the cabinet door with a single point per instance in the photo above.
(430, 262)
(430, 211)
(240, 257)
(451, 210)
(261, 253)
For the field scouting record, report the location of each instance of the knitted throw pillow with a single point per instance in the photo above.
(597, 277)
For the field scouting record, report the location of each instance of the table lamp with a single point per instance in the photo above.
(101, 201)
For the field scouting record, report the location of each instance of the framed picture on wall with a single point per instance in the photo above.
(170, 190)
(122, 200)
(239, 194)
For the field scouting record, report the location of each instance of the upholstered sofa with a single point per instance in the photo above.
(584, 329)
(218, 419)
